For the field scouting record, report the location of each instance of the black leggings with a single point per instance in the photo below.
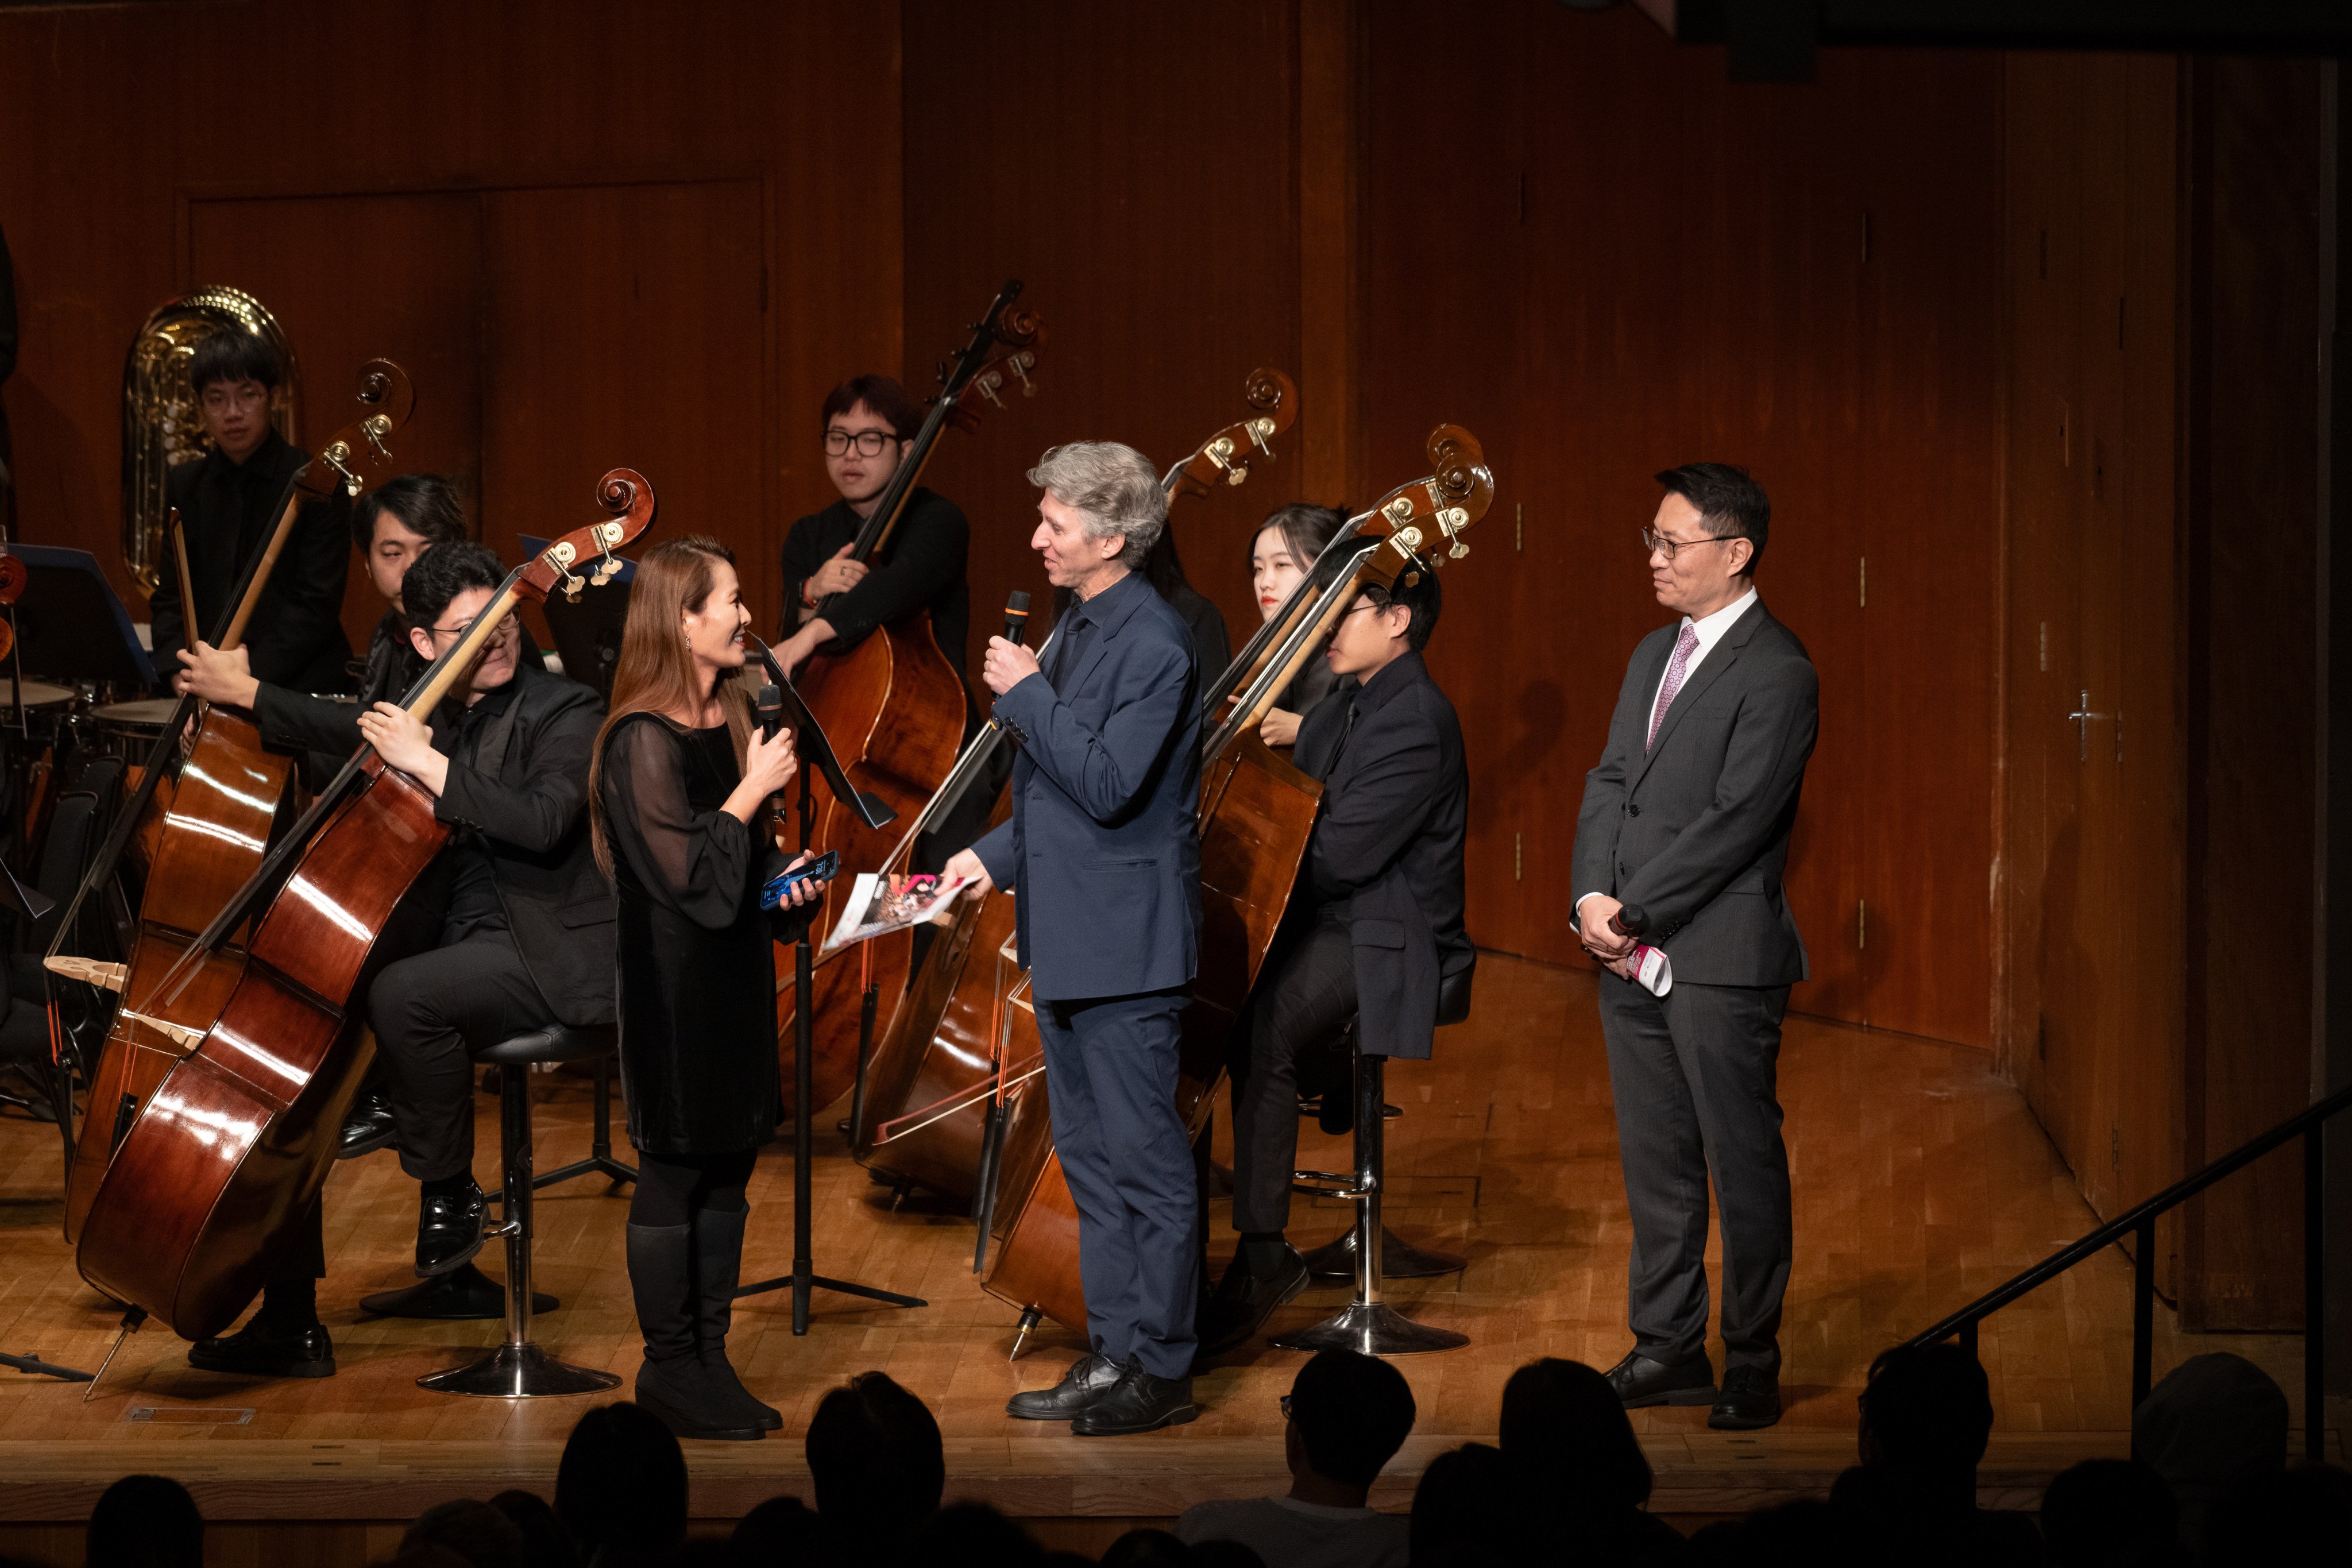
(670, 1187)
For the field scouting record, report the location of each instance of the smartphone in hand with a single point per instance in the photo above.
(817, 870)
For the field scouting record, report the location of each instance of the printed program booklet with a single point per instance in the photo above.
(877, 905)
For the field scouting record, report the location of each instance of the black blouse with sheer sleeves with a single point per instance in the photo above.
(697, 978)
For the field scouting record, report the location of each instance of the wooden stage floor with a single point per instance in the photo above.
(1920, 1182)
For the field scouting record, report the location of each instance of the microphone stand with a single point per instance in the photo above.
(771, 705)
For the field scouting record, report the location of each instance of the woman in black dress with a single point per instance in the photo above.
(681, 798)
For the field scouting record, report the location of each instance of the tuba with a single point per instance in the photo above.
(161, 424)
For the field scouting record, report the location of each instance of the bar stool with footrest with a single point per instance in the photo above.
(1334, 1262)
(520, 1368)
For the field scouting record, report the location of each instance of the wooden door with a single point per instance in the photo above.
(352, 278)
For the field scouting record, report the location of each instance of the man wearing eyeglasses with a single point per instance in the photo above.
(521, 935)
(1688, 820)
(868, 424)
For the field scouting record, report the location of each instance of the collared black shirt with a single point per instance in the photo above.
(920, 568)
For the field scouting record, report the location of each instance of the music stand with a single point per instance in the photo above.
(588, 634)
(69, 622)
(814, 748)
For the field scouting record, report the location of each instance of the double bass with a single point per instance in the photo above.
(229, 797)
(894, 709)
(227, 1154)
(1257, 812)
(935, 1081)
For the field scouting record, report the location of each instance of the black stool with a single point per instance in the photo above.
(465, 1294)
(1367, 1324)
(520, 1368)
(1334, 1262)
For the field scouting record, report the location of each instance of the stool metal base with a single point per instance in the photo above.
(1334, 1262)
(1371, 1327)
(465, 1294)
(519, 1371)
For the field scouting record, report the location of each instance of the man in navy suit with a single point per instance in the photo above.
(1687, 817)
(1102, 856)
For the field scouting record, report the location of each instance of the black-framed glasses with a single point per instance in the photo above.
(1285, 1407)
(870, 443)
(1653, 542)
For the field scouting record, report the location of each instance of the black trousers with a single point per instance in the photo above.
(1110, 1073)
(1302, 1005)
(1695, 1076)
(429, 1014)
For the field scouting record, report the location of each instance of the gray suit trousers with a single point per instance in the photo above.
(1694, 1076)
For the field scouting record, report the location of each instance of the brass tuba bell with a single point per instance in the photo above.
(161, 424)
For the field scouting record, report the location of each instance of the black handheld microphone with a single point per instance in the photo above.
(1016, 615)
(1631, 920)
(768, 707)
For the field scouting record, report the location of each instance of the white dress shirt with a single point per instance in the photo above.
(1710, 630)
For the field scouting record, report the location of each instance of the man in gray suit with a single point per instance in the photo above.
(1685, 829)
(1104, 861)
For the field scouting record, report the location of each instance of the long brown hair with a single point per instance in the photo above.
(656, 672)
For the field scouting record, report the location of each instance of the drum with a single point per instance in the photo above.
(129, 730)
(40, 696)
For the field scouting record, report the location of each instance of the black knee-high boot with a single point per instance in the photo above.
(673, 1383)
(719, 1268)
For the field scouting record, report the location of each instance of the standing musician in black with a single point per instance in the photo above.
(526, 932)
(1104, 861)
(1374, 933)
(228, 502)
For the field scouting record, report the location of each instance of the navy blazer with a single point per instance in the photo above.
(1387, 849)
(1695, 830)
(1102, 850)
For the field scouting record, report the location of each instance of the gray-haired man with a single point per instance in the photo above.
(1102, 854)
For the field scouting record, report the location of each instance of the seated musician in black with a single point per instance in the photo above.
(526, 934)
(1374, 932)
(392, 525)
(868, 422)
(228, 502)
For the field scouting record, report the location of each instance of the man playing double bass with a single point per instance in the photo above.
(1103, 860)
(525, 934)
(1374, 931)
(229, 504)
(868, 422)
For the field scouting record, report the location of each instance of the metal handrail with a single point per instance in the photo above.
(2140, 1222)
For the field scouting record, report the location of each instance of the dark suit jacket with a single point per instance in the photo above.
(921, 568)
(296, 637)
(1387, 849)
(1696, 829)
(1102, 846)
(522, 785)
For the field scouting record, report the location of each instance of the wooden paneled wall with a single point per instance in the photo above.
(1620, 263)
(599, 235)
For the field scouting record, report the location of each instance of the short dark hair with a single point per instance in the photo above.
(881, 393)
(233, 354)
(483, 1536)
(1353, 1412)
(620, 1488)
(1565, 1432)
(874, 1456)
(1422, 596)
(146, 1521)
(1731, 504)
(425, 504)
(443, 572)
(1926, 1409)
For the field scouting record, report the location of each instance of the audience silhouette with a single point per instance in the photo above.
(146, 1522)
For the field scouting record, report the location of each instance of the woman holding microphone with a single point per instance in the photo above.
(681, 790)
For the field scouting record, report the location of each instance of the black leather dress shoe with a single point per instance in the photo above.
(1137, 1402)
(262, 1350)
(1090, 1378)
(369, 1127)
(449, 1230)
(1245, 1301)
(1750, 1398)
(1641, 1382)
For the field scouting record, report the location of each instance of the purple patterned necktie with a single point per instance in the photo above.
(1685, 646)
